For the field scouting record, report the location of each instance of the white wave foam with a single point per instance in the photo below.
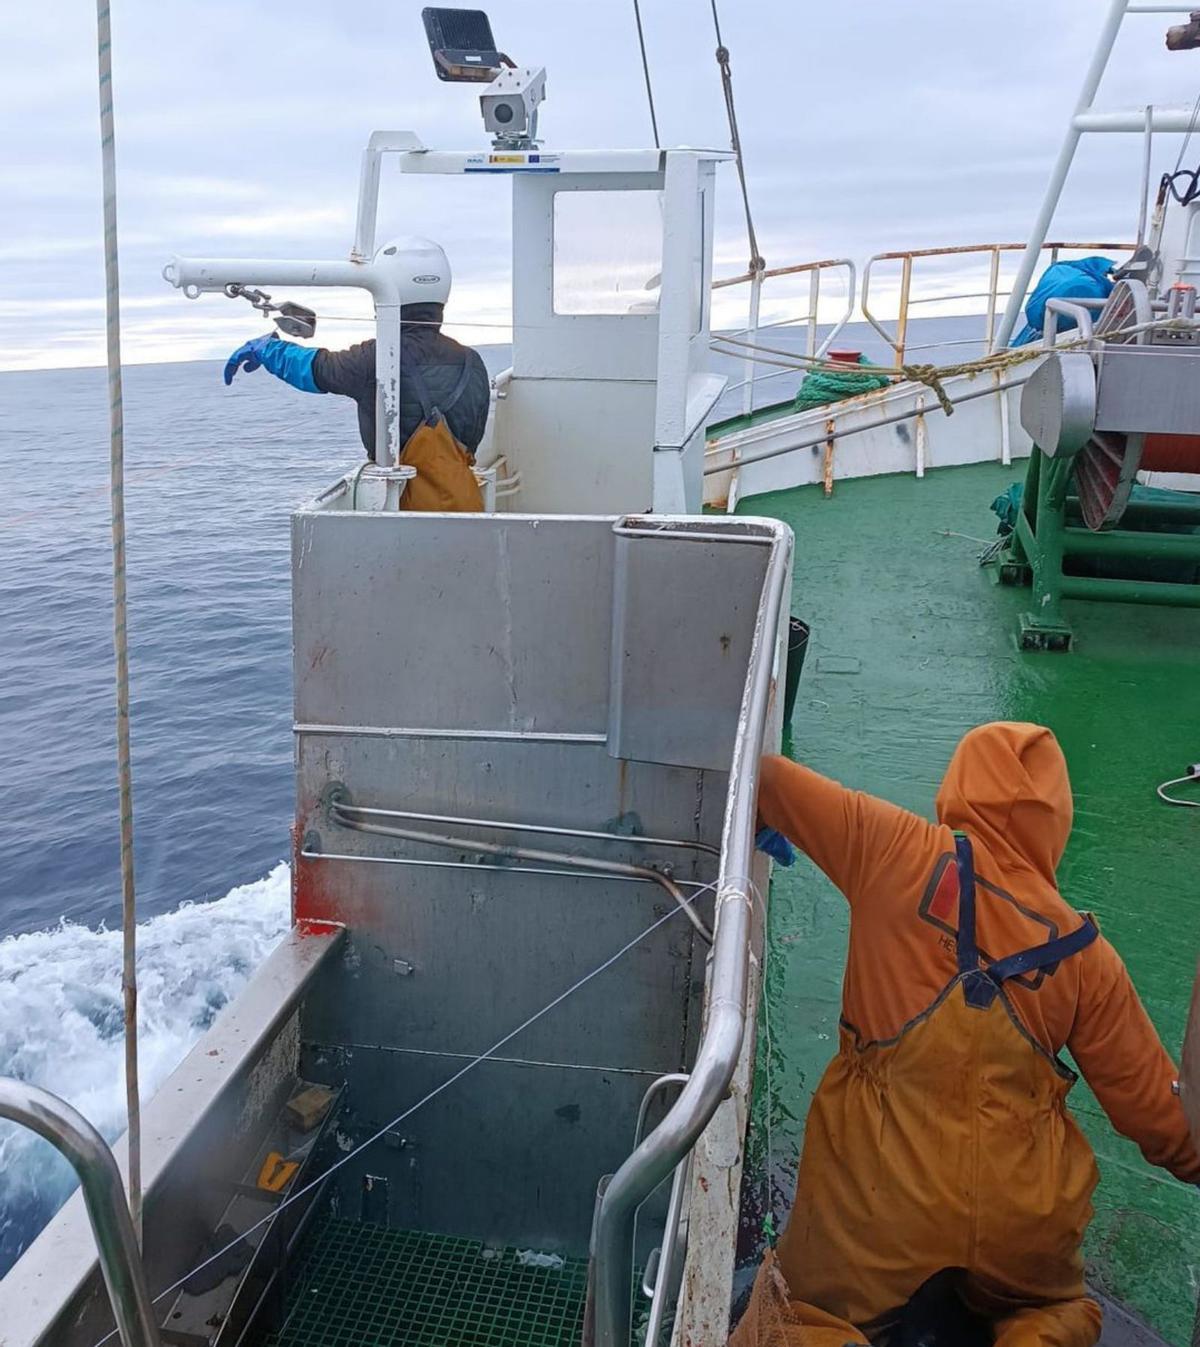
(61, 1022)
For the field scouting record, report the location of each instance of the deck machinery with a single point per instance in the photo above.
(1119, 399)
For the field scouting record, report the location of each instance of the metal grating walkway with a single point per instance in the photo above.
(367, 1286)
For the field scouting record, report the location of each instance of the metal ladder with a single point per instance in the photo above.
(104, 1196)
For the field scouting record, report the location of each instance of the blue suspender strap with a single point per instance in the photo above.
(968, 953)
(980, 985)
(1044, 956)
(979, 990)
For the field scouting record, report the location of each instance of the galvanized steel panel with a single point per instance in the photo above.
(683, 622)
(510, 1154)
(451, 621)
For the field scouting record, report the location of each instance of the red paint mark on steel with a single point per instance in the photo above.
(313, 904)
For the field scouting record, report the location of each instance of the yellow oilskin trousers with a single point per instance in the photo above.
(444, 480)
(913, 1150)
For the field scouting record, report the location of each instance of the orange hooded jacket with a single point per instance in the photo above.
(1007, 788)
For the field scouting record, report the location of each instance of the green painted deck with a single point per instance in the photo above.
(912, 644)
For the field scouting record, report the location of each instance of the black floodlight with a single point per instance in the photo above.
(464, 50)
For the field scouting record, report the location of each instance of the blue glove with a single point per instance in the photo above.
(775, 845)
(293, 364)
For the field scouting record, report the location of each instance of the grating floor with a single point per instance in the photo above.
(364, 1285)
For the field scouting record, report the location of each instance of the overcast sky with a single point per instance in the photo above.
(878, 125)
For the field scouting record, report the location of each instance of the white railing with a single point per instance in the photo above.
(756, 280)
(985, 301)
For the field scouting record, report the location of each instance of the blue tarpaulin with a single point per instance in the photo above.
(1085, 279)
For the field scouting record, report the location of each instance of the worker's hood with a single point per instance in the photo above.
(427, 317)
(1007, 788)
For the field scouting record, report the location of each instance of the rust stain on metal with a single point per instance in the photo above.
(997, 247)
(827, 463)
(798, 269)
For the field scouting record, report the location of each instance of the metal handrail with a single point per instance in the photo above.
(660, 1271)
(664, 1273)
(812, 349)
(120, 1261)
(343, 814)
(906, 257)
(729, 981)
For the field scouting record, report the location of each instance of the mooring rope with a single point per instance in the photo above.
(116, 421)
(932, 376)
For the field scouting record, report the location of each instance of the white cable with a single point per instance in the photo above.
(445, 1085)
(1161, 791)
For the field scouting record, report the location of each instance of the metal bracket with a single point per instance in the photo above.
(1044, 636)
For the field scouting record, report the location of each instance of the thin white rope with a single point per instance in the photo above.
(116, 421)
(437, 1090)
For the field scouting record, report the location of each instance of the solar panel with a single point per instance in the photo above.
(462, 44)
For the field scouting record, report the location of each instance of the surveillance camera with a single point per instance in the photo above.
(511, 103)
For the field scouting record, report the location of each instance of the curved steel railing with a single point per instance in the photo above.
(729, 979)
(120, 1261)
(756, 280)
(898, 339)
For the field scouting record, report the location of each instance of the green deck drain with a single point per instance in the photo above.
(367, 1286)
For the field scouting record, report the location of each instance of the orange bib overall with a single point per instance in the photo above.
(912, 1150)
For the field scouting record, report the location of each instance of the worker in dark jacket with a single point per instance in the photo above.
(433, 367)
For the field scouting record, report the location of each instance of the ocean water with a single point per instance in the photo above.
(212, 474)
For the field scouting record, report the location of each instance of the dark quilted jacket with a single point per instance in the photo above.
(352, 373)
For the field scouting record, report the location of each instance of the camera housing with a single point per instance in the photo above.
(510, 107)
(464, 52)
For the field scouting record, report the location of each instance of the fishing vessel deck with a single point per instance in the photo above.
(912, 644)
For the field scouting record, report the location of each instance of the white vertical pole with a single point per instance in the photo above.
(750, 367)
(1147, 151)
(387, 375)
(1005, 435)
(1062, 166)
(116, 421)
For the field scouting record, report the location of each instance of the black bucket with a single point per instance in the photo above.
(797, 644)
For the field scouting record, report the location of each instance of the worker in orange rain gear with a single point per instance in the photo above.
(940, 1137)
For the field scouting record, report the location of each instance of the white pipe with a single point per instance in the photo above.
(380, 278)
(381, 143)
(1147, 146)
(194, 275)
(1135, 119)
(1062, 166)
(755, 301)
